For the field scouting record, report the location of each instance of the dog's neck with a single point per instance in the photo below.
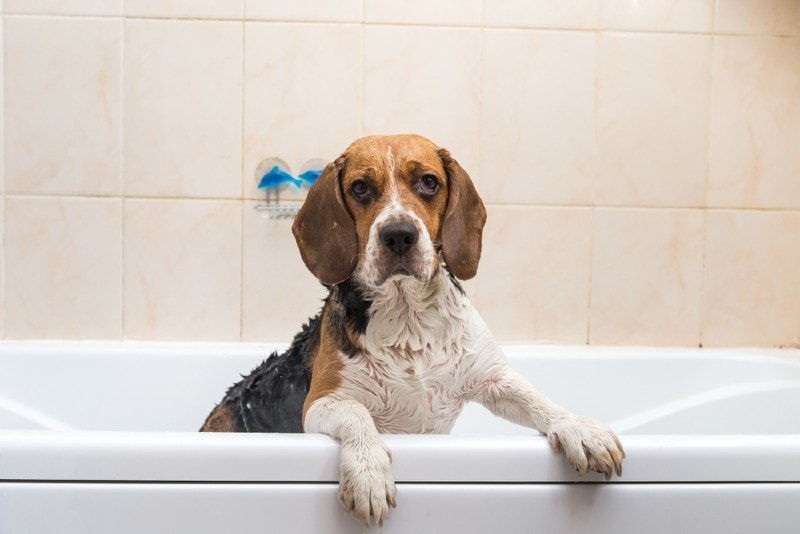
(411, 315)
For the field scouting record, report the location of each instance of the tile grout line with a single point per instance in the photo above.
(706, 211)
(123, 200)
(492, 204)
(594, 188)
(3, 217)
(362, 29)
(362, 22)
(481, 42)
(241, 182)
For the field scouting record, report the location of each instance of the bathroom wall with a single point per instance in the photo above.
(640, 160)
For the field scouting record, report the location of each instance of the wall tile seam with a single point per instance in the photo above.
(595, 178)
(130, 197)
(702, 296)
(3, 227)
(501, 205)
(241, 178)
(648, 207)
(122, 180)
(2, 181)
(481, 54)
(402, 25)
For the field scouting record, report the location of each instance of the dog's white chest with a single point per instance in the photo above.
(406, 393)
(409, 374)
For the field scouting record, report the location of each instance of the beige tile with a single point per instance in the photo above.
(314, 72)
(533, 280)
(182, 275)
(652, 119)
(770, 17)
(424, 81)
(537, 117)
(442, 12)
(62, 106)
(63, 268)
(657, 15)
(752, 280)
(304, 10)
(183, 108)
(215, 9)
(279, 294)
(647, 276)
(566, 14)
(2, 262)
(63, 7)
(755, 123)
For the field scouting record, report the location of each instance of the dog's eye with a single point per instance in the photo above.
(428, 185)
(360, 190)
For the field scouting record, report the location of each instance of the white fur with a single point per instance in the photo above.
(426, 353)
(390, 166)
(371, 270)
(366, 485)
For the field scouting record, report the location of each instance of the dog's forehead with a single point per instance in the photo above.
(398, 151)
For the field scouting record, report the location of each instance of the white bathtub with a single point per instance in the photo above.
(100, 438)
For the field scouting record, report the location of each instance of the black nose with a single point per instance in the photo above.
(399, 237)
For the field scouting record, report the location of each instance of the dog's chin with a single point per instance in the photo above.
(398, 269)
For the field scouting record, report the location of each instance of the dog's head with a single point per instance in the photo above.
(388, 206)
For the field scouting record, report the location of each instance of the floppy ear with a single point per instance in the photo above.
(324, 229)
(463, 221)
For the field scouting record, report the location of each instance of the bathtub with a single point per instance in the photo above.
(101, 438)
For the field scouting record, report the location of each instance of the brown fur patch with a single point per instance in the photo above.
(326, 369)
(462, 227)
(219, 420)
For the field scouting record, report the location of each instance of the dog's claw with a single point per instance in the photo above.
(588, 446)
(367, 488)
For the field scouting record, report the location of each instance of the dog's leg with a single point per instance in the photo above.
(587, 444)
(366, 485)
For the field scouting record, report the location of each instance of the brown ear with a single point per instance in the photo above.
(324, 229)
(463, 221)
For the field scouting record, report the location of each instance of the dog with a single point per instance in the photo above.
(391, 227)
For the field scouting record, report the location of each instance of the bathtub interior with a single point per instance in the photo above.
(157, 387)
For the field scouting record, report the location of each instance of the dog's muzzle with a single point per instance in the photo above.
(401, 251)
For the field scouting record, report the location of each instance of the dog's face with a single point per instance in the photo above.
(387, 207)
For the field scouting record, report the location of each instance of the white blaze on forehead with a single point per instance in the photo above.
(392, 183)
(394, 210)
(390, 164)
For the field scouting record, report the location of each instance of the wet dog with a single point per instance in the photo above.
(390, 227)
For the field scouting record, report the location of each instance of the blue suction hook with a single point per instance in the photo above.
(311, 170)
(275, 174)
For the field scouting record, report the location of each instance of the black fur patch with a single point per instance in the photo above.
(356, 307)
(270, 398)
(347, 309)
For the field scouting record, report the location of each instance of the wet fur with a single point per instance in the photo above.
(397, 347)
(271, 397)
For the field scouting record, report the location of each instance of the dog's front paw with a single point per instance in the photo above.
(588, 445)
(366, 486)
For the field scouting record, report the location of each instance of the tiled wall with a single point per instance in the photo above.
(640, 160)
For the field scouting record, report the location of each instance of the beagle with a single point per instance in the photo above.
(390, 227)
